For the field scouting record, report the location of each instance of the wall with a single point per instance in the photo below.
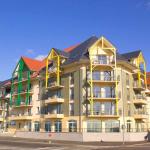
(86, 137)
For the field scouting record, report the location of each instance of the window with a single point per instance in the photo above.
(58, 109)
(72, 93)
(109, 92)
(128, 94)
(71, 109)
(48, 126)
(109, 108)
(102, 59)
(127, 79)
(36, 126)
(94, 126)
(129, 109)
(72, 126)
(97, 108)
(58, 126)
(112, 126)
(108, 76)
(58, 93)
(38, 110)
(96, 91)
(96, 75)
(72, 78)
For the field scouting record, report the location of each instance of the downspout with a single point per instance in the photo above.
(79, 102)
(123, 114)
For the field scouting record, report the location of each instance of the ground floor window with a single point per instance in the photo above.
(140, 127)
(94, 126)
(48, 126)
(72, 125)
(36, 126)
(58, 126)
(112, 126)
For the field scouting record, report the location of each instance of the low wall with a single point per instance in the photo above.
(113, 137)
(83, 137)
(51, 136)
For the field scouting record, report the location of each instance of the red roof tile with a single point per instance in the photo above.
(69, 49)
(34, 65)
(148, 78)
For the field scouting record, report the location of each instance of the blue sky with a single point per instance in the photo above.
(31, 27)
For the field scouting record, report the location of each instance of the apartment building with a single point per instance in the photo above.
(147, 92)
(4, 104)
(89, 87)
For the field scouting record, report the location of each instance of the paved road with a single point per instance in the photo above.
(9, 143)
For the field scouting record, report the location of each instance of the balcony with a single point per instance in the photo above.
(54, 100)
(140, 114)
(19, 117)
(103, 80)
(138, 87)
(23, 105)
(4, 96)
(24, 78)
(1, 118)
(54, 116)
(1, 108)
(103, 96)
(23, 92)
(54, 86)
(105, 64)
(98, 114)
(140, 100)
(52, 71)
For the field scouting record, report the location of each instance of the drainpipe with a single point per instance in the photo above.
(123, 114)
(79, 102)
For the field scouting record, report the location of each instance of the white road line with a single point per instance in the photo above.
(141, 144)
(46, 148)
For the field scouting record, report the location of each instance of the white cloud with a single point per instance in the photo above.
(30, 51)
(147, 4)
(143, 3)
(40, 57)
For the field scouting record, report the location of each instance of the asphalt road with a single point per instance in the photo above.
(10, 143)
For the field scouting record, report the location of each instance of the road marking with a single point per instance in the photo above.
(138, 144)
(47, 148)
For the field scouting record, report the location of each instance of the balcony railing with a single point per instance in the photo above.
(22, 91)
(24, 77)
(136, 84)
(100, 94)
(107, 61)
(140, 97)
(102, 113)
(103, 77)
(52, 69)
(140, 112)
(20, 114)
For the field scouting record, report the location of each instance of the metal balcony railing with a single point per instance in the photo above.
(140, 112)
(102, 113)
(103, 61)
(138, 96)
(136, 84)
(99, 94)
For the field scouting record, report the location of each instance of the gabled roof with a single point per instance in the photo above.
(148, 78)
(79, 51)
(32, 64)
(121, 57)
(60, 52)
(69, 49)
(132, 54)
(5, 83)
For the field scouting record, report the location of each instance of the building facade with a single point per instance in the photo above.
(4, 104)
(88, 87)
